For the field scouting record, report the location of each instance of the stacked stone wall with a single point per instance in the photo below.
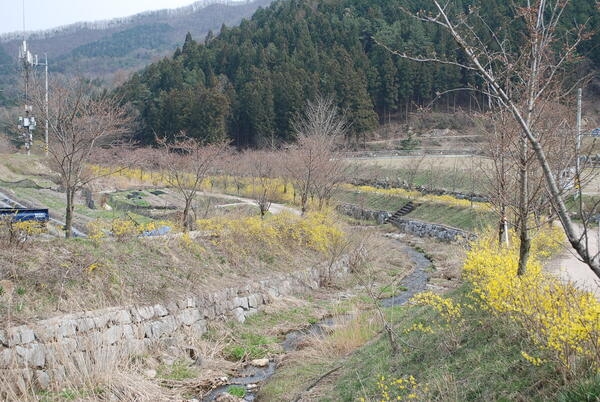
(434, 230)
(410, 226)
(38, 350)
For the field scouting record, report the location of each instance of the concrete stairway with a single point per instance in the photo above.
(406, 209)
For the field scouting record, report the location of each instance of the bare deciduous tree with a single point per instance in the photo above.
(503, 148)
(262, 166)
(185, 163)
(314, 165)
(80, 120)
(522, 79)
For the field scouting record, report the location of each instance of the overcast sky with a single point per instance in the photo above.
(44, 14)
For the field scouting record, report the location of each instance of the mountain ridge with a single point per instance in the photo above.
(115, 22)
(101, 49)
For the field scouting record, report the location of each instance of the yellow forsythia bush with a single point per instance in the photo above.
(316, 231)
(447, 308)
(17, 233)
(561, 320)
(434, 199)
(400, 389)
(122, 228)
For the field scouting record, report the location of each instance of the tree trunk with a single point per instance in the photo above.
(186, 213)
(523, 210)
(502, 227)
(69, 212)
(303, 201)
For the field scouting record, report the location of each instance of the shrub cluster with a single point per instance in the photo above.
(561, 320)
(121, 228)
(434, 199)
(245, 236)
(18, 233)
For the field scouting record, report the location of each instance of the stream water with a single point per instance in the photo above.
(250, 376)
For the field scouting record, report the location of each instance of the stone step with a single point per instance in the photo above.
(406, 209)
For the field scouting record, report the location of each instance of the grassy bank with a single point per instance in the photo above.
(479, 360)
(498, 337)
(445, 210)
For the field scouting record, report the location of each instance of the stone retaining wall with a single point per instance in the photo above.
(359, 213)
(35, 349)
(386, 182)
(425, 229)
(410, 226)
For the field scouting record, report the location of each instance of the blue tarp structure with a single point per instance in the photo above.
(163, 230)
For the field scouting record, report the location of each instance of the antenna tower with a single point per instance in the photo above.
(27, 123)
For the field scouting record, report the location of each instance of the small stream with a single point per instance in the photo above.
(250, 376)
(415, 282)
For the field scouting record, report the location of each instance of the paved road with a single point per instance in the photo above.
(7, 202)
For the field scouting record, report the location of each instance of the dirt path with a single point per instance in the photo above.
(568, 267)
(274, 209)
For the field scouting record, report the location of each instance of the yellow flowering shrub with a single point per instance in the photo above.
(400, 389)
(419, 327)
(94, 266)
(278, 189)
(96, 231)
(19, 232)
(561, 320)
(124, 228)
(133, 174)
(189, 244)
(316, 231)
(450, 313)
(447, 308)
(434, 199)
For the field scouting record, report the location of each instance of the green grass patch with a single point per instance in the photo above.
(237, 391)
(453, 174)
(470, 219)
(129, 199)
(178, 371)
(295, 316)
(466, 218)
(587, 390)
(249, 346)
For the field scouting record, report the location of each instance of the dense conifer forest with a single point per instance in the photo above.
(248, 82)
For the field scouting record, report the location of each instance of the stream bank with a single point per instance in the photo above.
(251, 377)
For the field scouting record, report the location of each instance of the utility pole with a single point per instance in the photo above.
(578, 143)
(27, 121)
(45, 64)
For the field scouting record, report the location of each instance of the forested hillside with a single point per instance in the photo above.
(249, 81)
(102, 49)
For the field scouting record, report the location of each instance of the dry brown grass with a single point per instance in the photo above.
(53, 276)
(97, 374)
(6, 147)
(348, 333)
(464, 163)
